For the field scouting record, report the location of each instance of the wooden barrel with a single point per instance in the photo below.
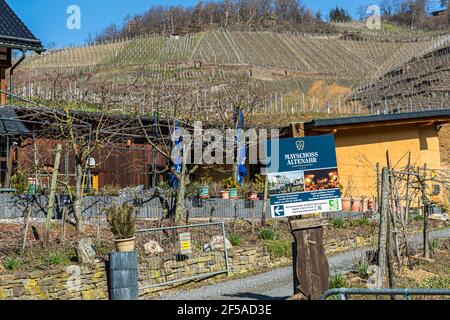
(123, 276)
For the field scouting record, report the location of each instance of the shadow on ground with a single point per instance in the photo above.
(255, 296)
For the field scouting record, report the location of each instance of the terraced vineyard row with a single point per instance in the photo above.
(423, 82)
(345, 58)
(151, 49)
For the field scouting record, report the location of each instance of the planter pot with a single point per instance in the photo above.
(124, 245)
(357, 205)
(346, 204)
(233, 193)
(203, 192)
(371, 205)
(252, 196)
(365, 205)
(225, 195)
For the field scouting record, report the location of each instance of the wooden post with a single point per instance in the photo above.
(253, 216)
(51, 197)
(406, 217)
(426, 247)
(211, 214)
(2, 86)
(235, 219)
(311, 265)
(392, 223)
(378, 187)
(382, 238)
(390, 252)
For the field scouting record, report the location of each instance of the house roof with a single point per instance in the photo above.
(9, 125)
(14, 33)
(407, 117)
(37, 121)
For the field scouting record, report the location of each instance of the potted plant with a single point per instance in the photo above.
(215, 189)
(258, 185)
(232, 187)
(246, 190)
(122, 221)
(203, 190)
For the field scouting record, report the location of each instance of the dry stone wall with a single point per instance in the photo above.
(90, 282)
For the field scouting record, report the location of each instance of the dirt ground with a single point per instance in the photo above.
(431, 273)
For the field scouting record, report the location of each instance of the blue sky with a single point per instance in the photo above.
(47, 18)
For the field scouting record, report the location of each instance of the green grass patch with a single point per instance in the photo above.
(363, 270)
(268, 234)
(235, 240)
(12, 263)
(338, 223)
(438, 282)
(279, 248)
(435, 245)
(57, 259)
(338, 281)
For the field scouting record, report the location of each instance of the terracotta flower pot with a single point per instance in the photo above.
(357, 205)
(371, 205)
(225, 195)
(252, 196)
(365, 205)
(125, 245)
(346, 204)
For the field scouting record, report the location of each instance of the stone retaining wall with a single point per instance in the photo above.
(90, 283)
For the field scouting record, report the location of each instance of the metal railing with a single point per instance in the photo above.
(406, 293)
(199, 234)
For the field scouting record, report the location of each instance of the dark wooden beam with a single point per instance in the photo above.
(2, 86)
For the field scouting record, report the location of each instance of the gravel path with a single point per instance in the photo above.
(275, 284)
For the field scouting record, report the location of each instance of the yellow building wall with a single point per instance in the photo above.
(359, 150)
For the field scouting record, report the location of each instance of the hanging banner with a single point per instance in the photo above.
(303, 176)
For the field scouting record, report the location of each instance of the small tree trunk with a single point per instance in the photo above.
(253, 216)
(77, 200)
(211, 215)
(51, 198)
(181, 193)
(27, 225)
(63, 234)
(266, 199)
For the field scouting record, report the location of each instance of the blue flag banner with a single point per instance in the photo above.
(242, 149)
(303, 176)
(177, 162)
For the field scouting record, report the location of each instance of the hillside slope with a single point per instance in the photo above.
(294, 55)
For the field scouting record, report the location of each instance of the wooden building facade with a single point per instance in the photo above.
(26, 146)
(362, 143)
